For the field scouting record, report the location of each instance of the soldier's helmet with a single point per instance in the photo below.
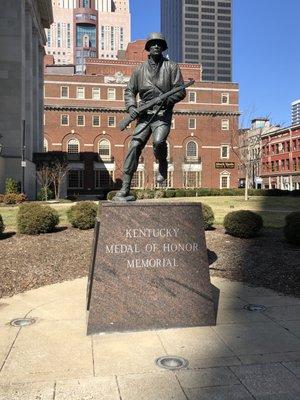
(154, 36)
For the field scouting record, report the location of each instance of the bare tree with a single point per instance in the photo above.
(247, 146)
(44, 178)
(59, 169)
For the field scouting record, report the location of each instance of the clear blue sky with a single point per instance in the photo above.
(266, 53)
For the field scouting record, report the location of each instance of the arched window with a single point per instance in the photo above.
(45, 147)
(104, 148)
(73, 146)
(191, 149)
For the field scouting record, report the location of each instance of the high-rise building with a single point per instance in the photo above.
(296, 112)
(88, 28)
(200, 31)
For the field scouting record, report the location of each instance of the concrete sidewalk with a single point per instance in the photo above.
(248, 355)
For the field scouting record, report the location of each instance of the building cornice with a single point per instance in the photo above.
(52, 107)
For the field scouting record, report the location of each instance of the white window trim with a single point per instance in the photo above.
(93, 120)
(98, 93)
(77, 143)
(186, 153)
(189, 97)
(106, 157)
(227, 175)
(225, 127)
(80, 87)
(61, 124)
(68, 93)
(228, 148)
(111, 91)
(115, 121)
(81, 115)
(195, 123)
(225, 95)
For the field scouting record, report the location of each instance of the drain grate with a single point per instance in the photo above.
(22, 322)
(255, 307)
(171, 362)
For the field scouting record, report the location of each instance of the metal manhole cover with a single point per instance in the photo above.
(22, 322)
(171, 362)
(255, 307)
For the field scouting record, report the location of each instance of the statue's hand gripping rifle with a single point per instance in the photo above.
(160, 99)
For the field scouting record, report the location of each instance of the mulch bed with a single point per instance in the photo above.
(28, 262)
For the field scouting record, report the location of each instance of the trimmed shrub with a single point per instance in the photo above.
(82, 215)
(159, 194)
(190, 192)
(33, 219)
(243, 224)
(139, 194)
(14, 198)
(11, 186)
(148, 194)
(170, 193)
(292, 217)
(2, 226)
(111, 194)
(2, 198)
(208, 216)
(41, 196)
(180, 192)
(292, 232)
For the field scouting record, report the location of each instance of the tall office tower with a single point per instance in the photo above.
(296, 112)
(114, 27)
(88, 28)
(200, 31)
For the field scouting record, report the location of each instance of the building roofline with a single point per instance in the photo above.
(282, 130)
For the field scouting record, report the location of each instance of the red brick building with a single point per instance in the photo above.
(280, 167)
(82, 113)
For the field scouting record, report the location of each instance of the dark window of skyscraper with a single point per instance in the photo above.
(208, 71)
(224, 58)
(208, 30)
(208, 3)
(193, 9)
(208, 37)
(224, 38)
(224, 52)
(208, 64)
(223, 65)
(194, 16)
(208, 58)
(191, 50)
(223, 18)
(224, 45)
(224, 32)
(222, 4)
(208, 16)
(208, 51)
(223, 79)
(208, 10)
(191, 43)
(208, 44)
(191, 36)
(207, 23)
(191, 2)
(85, 3)
(192, 56)
(223, 71)
(191, 29)
(224, 25)
(191, 22)
(220, 11)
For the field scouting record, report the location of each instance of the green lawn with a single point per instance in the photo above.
(272, 209)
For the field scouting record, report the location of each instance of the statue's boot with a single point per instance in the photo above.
(125, 189)
(162, 171)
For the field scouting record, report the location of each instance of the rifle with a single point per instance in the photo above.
(126, 121)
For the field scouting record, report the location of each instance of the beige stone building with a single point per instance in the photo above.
(22, 40)
(105, 22)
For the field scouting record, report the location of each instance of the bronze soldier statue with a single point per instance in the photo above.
(151, 80)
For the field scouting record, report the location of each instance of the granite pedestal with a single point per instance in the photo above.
(150, 268)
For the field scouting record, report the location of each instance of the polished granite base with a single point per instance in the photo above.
(150, 268)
